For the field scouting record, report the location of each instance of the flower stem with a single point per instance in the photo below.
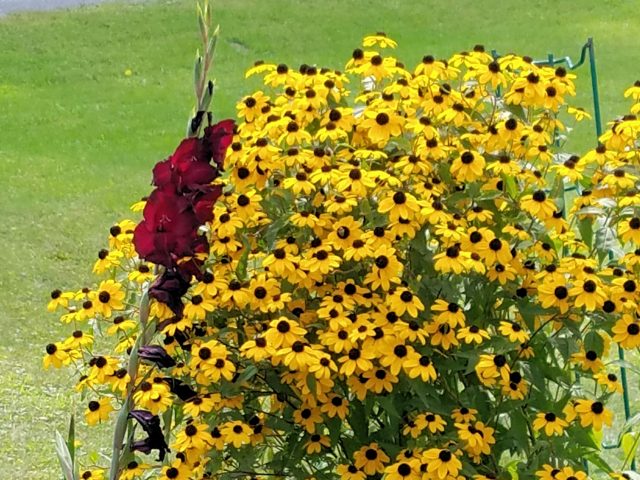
(121, 422)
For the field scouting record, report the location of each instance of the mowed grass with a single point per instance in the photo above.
(78, 138)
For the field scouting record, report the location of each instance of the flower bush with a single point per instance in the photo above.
(376, 274)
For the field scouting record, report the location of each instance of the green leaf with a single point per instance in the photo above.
(311, 383)
(335, 426)
(71, 442)
(512, 468)
(66, 461)
(166, 420)
(629, 444)
(630, 423)
(241, 269)
(358, 421)
(247, 374)
(213, 41)
(274, 229)
(585, 227)
(518, 433)
(598, 462)
(593, 341)
(202, 22)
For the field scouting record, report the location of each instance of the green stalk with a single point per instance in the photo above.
(132, 370)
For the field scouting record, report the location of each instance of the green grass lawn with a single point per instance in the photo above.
(78, 138)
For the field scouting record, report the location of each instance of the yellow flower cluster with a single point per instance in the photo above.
(397, 287)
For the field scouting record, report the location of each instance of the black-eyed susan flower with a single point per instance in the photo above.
(477, 437)
(515, 386)
(316, 443)
(452, 260)
(432, 422)
(59, 355)
(350, 472)
(98, 410)
(468, 167)
(399, 205)
(385, 269)
(404, 301)
(196, 406)
(449, 312)
(236, 433)
(538, 205)
(491, 367)
(394, 355)
(371, 459)
(513, 331)
(59, 299)
(178, 470)
(629, 230)
(593, 413)
(554, 294)
(380, 126)
(93, 474)
(464, 414)
(550, 423)
(588, 360)
(283, 332)
(153, 396)
(308, 417)
(134, 470)
(588, 293)
(441, 463)
(472, 334)
(379, 380)
(109, 296)
(403, 471)
(356, 360)
(420, 366)
(627, 332)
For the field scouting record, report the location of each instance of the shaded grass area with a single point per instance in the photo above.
(78, 137)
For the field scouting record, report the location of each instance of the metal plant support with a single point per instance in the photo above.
(588, 51)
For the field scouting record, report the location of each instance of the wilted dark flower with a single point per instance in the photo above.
(169, 289)
(157, 355)
(183, 391)
(151, 425)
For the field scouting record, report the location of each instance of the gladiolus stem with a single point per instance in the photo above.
(121, 422)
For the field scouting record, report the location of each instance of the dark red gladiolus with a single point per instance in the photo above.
(219, 137)
(203, 203)
(188, 169)
(169, 228)
(182, 201)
